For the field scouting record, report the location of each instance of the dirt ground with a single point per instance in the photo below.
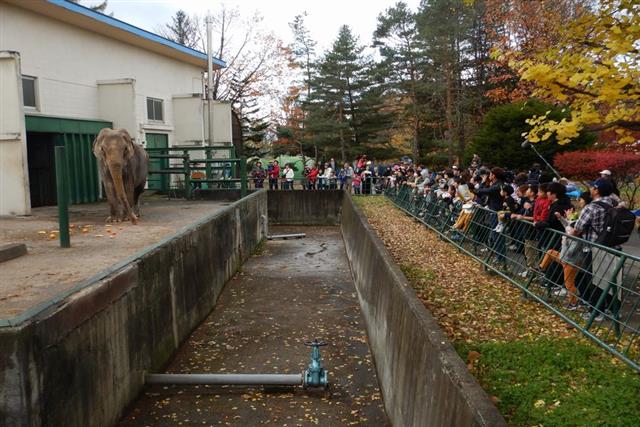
(48, 270)
(294, 291)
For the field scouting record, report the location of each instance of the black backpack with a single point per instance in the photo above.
(618, 225)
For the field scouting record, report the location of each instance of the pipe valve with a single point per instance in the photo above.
(315, 375)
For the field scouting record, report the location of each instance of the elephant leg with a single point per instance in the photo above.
(129, 192)
(136, 199)
(112, 199)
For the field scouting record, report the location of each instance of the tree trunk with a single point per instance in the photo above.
(342, 147)
(449, 113)
(414, 143)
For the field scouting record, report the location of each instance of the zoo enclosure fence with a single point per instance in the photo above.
(198, 167)
(593, 288)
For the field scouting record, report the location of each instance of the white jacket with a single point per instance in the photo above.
(289, 174)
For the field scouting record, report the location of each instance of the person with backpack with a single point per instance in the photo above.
(601, 222)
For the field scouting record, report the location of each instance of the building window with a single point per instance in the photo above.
(154, 109)
(29, 91)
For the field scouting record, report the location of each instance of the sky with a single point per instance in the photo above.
(324, 17)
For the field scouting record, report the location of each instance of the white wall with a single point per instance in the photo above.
(116, 103)
(222, 123)
(69, 61)
(14, 175)
(189, 119)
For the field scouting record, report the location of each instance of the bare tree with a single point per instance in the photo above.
(256, 59)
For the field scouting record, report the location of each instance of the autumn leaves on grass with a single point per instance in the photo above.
(468, 304)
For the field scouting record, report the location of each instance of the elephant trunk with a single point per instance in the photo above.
(115, 169)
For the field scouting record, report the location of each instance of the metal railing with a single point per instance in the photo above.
(594, 288)
(198, 168)
(369, 186)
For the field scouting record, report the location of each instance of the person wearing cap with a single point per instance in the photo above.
(606, 174)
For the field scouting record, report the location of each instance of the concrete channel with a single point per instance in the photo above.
(293, 291)
(213, 299)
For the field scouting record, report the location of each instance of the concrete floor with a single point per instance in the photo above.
(293, 291)
(48, 270)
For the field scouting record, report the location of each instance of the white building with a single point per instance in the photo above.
(65, 73)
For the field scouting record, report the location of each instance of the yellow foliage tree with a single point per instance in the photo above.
(595, 69)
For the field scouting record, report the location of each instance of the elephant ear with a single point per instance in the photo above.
(130, 150)
(97, 143)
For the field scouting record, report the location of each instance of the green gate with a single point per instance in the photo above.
(159, 182)
(77, 137)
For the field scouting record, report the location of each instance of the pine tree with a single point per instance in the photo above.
(303, 51)
(100, 7)
(401, 49)
(182, 30)
(345, 106)
(451, 31)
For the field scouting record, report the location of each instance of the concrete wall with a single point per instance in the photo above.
(302, 207)
(423, 380)
(14, 175)
(81, 363)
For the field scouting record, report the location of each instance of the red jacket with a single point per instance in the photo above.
(274, 173)
(541, 209)
(313, 174)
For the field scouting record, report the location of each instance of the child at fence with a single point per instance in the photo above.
(498, 237)
(569, 258)
(551, 230)
(540, 212)
(526, 214)
(355, 183)
(312, 177)
(465, 197)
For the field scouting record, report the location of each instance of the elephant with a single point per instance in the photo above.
(123, 167)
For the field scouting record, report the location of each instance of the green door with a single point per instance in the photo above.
(159, 182)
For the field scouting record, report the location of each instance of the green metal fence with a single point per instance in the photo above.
(199, 168)
(77, 137)
(595, 289)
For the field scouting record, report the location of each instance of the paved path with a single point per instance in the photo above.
(295, 291)
(633, 245)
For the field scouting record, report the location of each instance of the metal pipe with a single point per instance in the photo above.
(62, 184)
(243, 176)
(527, 144)
(286, 236)
(210, 76)
(225, 379)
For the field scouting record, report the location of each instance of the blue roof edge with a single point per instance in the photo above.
(109, 20)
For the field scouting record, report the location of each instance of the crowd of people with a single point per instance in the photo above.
(535, 213)
(519, 205)
(359, 177)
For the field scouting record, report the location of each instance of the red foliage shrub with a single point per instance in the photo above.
(585, 165)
